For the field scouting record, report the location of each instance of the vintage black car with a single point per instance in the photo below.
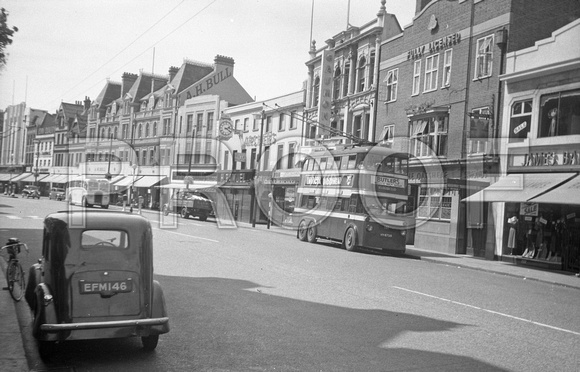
(95, 280)
(30, 191)
(56, 193)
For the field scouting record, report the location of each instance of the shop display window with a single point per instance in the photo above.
(559, 114)
(520, 120)
(434, 204)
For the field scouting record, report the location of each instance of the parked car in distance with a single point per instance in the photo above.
(189, 203)
(30, 191)
(56, 193)
(95, 280)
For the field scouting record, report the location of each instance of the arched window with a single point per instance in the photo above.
(336, 84)
(140, 131)
(315, 91)
(115, 133)
(147, 130)
(109, 133)
(155, 129)
(103, 133)
(360, 74)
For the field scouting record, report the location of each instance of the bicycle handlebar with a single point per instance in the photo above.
(15, 245)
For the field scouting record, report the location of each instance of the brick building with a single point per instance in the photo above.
(440, 99)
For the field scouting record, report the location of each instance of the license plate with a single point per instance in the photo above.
(119, 286)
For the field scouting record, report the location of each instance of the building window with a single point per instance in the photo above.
(268, 128)
(361, 74)
(209, 159)
(484, 58)
(336, 84)
(479, 131)
(166, 124)
(293, 120)
(147, 130)
(447, 56)
(372, 69)
(429, 136)
(154, 129)
(255, 125)
(434, 204)
(559, 114)
(246, 124)
(345, 77)
(252, 159)
(209, 130)
(226, 160)
(315, 91)
(388, 134)
(392, 81)
(520, 120)
(280, 156)
(140, 131)
(431, 73)
(282, 122)
(198, 123)
(291, 154)
(115, 132)
(189, 125)
(416, 77)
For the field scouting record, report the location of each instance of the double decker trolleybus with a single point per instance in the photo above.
(88, 192)
(356, 196)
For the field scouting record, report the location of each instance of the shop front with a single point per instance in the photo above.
(284, 184)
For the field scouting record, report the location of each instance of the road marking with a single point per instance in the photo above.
(191, 236)
(489, 311)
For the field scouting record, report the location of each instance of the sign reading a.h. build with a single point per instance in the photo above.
(208, 84)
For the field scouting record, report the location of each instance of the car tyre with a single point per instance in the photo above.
(203, 217)
(184, 212)
(349, 241)
(311, 233)
(150, 342)
(46, 349)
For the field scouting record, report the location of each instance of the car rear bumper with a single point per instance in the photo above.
(53, 328)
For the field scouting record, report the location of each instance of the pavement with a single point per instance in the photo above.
(18, 349)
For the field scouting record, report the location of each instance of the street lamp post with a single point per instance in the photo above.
(108, 175)
(260, 116)
(36, 168)
(132, 189)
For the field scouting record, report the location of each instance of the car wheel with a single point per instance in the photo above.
(349, 241)
(311, 233)
(184, 212)
(150, 342)
(46, 348)
(302, 230)
(203, 217)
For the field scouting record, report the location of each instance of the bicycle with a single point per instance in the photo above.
(15, 277)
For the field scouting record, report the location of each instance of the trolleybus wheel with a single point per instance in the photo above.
(311, 233)
(302, 230)
(349, 242)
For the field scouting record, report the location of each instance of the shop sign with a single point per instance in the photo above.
(434, 46)
(267, 140)
(529, 209)
(313, 180)
(325, 93)
(212, 81)
(240, 157)
(387, 181)
(546, 159)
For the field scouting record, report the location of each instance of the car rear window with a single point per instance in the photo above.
(104, 239)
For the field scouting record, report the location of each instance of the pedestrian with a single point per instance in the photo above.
(513, 221)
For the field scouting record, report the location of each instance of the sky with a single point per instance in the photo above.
(67, 49)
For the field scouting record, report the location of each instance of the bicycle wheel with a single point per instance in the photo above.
(16, 280)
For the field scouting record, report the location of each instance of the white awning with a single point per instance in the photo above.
(56, 178)
(20, 177)
(566, 193)
(148, 181)
(6, 176)
(127, 181)
(192, 186)
(519, 188)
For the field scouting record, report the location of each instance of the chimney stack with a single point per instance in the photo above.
(87, 103)
(172, 72)
(127, 81)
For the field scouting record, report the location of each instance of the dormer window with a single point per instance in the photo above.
(143, 105)
(113, 109)
(151, 102)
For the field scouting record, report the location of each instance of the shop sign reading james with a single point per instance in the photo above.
(434, 46)
(539, 159)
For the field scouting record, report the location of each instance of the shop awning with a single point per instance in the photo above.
(566, 193)
(20, 177)
(30, 178)
(148, 181)
(519, 188)
(192, 186)
(126, 182)
(6, 176)
(56, 178)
